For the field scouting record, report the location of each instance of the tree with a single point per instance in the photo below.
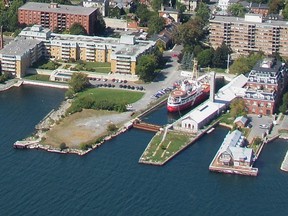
(100, 24)
(156, 5)
(205, 57)
(77, 29)
(220, 56)
(238, 108)
(244, 64)
(62, 146)
(285, 11)
(78, 82)
(146, 67)
(143, 14)
(203, 12)
(112, 128)
(156, 24)
(283, 107)
(189, 33)
(237, 10)
(275, 6)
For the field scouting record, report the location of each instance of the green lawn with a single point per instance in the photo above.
(172, 143)
(99, 67)
(104, 99)
(115, 95)
(39, 77)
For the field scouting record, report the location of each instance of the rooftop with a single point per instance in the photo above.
(232, 19)
(65, 9)
(19, 46)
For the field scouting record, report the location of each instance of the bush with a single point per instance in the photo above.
(112, 128)
(257, 141)
(85, 146)
(62, 146)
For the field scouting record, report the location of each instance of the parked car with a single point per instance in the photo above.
(263, 126)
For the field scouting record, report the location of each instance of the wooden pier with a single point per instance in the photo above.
(24, 144)
(146, 126)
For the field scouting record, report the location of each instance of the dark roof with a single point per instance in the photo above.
(260, 6)
(275, 66)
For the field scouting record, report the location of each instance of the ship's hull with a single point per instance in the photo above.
(179, 107)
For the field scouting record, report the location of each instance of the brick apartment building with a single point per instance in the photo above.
(252, 33)
(265, 85)
(57, 17)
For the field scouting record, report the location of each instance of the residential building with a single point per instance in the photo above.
(57, 17)
(224, 4)
(38, 42)
(101, 5)
(18, 55)
(233, 153)
(265, 85)
(252, 33)
(191, 5)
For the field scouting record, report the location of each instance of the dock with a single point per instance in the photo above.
(24, 144)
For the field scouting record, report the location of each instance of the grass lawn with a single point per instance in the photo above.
(115, 95)
(157, 152)
(39, 77)
(99, 67)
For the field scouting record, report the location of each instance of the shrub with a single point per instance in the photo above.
(62, 146)
(112, 128)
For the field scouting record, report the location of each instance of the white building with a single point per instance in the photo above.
(102, 5)
(203, 114)
(224, 4)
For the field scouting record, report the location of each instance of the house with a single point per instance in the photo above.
(170, 12)
(224, 4)
(241, 121)
(191, 5)
(232, 152)
(102, 5)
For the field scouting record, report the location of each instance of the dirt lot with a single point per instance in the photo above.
(83, 127)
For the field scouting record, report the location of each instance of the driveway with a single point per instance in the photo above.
(256, 131)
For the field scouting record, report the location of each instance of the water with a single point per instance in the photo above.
(109, 180)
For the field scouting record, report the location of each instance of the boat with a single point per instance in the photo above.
(188, 93)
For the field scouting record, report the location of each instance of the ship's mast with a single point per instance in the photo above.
(195, 69)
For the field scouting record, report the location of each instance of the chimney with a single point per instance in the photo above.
(212, 86)
(1, 38)
(54, 5)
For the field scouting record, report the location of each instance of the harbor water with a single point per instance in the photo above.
(109, 180)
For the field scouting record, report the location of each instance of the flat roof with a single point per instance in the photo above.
(239, 20)
(19, 46)
(65, 9)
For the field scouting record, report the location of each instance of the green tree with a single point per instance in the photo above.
(77, 29)
(78, 82)
(62, 146)
(205, 57)
(238, 108)
(244, 64)
(156, 5)
(100, 24)
(145, 68)
(285, 11)
(237, 10)
(112, 128)
(221, 55)
(275, 6)
(143, 14)
(189, 33)
(283, 107)
(155, 24)
(203, 12)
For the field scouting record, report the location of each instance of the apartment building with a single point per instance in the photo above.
(252, 33)
(57, 17)
(15, 57)
(38, 42)
(265, 85)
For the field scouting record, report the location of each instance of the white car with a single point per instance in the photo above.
(263, 126)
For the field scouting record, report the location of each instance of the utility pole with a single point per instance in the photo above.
(228, 63)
